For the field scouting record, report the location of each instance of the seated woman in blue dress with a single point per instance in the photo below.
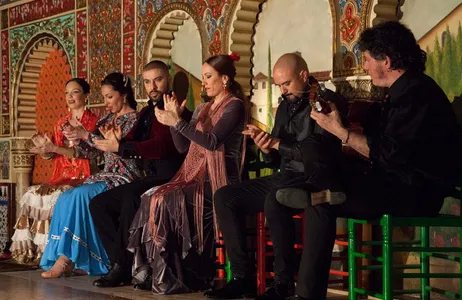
(72, 240)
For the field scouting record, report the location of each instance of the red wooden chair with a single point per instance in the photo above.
(263, 243)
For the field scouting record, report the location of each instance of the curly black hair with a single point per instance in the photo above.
(396, 41)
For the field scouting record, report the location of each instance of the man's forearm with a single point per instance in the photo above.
(356, 141)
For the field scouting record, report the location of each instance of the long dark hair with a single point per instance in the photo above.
(224, 65)
(80, 81)
(122, 84)
(396, 41)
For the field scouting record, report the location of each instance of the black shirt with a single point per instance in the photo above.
(416, 138)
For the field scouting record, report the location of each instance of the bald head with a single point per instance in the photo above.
(293, 62)
(290, 73)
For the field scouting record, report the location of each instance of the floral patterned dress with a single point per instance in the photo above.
(37, 203)
(72, 232)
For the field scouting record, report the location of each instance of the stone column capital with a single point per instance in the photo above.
(22, 158)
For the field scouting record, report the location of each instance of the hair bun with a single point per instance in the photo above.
(235, 56)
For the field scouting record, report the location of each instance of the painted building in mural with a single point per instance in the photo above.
(260, 98)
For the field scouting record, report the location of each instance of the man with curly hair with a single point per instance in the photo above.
(412, 142)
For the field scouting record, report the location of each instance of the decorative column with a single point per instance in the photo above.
(23, 162)
(351, 81)
(388, 10)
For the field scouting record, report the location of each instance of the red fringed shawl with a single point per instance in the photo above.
(192, 172)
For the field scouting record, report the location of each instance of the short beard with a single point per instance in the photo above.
(157, 99)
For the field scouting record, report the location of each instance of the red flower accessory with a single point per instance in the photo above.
(235, 56)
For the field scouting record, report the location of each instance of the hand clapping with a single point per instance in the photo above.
(75, 133)
(38, 139)
(112, 136)
(111, 132)
(172, 111)
(44, 146)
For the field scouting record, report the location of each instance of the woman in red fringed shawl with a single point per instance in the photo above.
(38, 201)
(173, 232)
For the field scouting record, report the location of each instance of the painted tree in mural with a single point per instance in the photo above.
(437, 57)
(430, 66)
(444, 63)
(190, 97)
(459, 52)
(171, 68)
(449, 65)
(269, 95)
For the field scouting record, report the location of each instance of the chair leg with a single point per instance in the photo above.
(352, 270)
(261, 258)
(387, 257)
(424, 263)
(359, 262)
(221, 258)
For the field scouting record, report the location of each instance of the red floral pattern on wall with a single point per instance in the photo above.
(215, 45)
(349, 24)
(128, 34)
(105, 42)
(38, 9)
(82, 49)
(51, 104)
(5, 73)
(350, 27)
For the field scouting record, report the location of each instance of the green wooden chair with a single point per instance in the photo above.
(385, 261)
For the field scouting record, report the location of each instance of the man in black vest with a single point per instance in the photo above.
(282, 148)
(152, 145)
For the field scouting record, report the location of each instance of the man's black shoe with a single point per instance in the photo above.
(279, 291)
(146, 285)
(116, 277)
(236, 288)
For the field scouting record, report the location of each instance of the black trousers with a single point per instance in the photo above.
(368, 197)
(234, 202)
(113, 212)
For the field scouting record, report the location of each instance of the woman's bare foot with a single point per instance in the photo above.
(63, 266)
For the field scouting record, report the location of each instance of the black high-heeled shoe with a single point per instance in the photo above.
(146, 285)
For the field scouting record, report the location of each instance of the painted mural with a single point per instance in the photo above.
(271, 40)
(443, 44)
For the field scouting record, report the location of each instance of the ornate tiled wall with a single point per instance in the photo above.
(98, 37)
(104, 42)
